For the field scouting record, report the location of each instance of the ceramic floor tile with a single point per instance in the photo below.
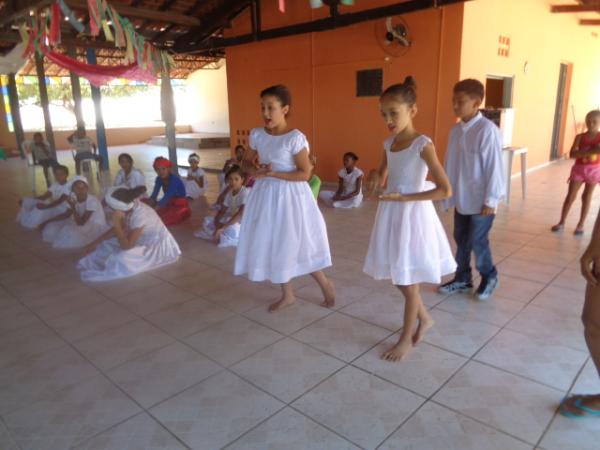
(382, 308)
(206, 281)
(124, 343)
(77, 413)
(180, 268)
(423, 371)
(570, 279)
(504, 401)
(232, 340)
(15, 317)
(459, 334)
(119, 288)
(216, 412)
(154, 298)
(518, 289)
(497, 311)
(345, 293)
(361, 407)
(6, 440)
(138, 433)
(32, 379)
(342, 336)
(27, 342)
(561, 300)
(292, 431)
(551, 364)
(588, 381)
(287, 369)
(436, 427)
(54, 305)
(185, 319)
(244, 296)
(159, 375)
(528, 270)
(290, 319)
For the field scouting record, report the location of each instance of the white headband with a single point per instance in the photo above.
(193, 158)
(79, 178)
(114, 203)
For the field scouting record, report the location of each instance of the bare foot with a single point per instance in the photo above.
(558, 227)
(283, 303)
(424, 324)
(398, 351)
(329, 294)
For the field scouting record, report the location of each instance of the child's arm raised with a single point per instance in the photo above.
(302, 172)
(442, 190)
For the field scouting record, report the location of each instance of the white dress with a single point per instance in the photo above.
(130, 180)
(156, 247)
(349, 186)
(283, 234)
(67, 234)
(192, 189)
(232, 204)
(30, 217)
(408, 243)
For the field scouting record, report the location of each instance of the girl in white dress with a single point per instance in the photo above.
(283, 234)
(36, 210)
(408, 243)
(137, 242)
(129, 177)
(83, 223)
(225, 226)
(349, 192)
(195, 183)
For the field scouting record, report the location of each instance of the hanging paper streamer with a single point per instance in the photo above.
(71, 16)
(94, 17)
(282, 6)
(55, 18)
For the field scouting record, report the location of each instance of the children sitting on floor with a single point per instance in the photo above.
(129, 176)
(81, 224)
(137, 242)
(237, 160)
(85, 148)
(225, 226)
(349, 192)
(195, 183)
(36, 210)
(173, 208)
(40, 152)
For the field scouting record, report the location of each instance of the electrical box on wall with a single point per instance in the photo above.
(504, 118)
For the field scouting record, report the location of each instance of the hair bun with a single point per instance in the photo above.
(409, 82)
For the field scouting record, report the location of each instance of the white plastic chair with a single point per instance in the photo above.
(88, 163)
(32, 163)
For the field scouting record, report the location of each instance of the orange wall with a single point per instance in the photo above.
(320, 69)
(544, 40)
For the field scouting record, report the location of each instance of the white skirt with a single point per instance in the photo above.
(408, 244)
(192, 189)
(110, 262)
(68, 235)
(283, 234)
(229, 237)
(327, 198)
(31, 217)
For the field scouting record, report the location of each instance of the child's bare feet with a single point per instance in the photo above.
(329, 294)
(398, 351)
(425, 323)
(283, 303)
(578, 231)
(558, 227)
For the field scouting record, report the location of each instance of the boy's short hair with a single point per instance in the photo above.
(352, 155)
(471, 87)
(59, 167)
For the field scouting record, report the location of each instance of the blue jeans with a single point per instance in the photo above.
(471, 234)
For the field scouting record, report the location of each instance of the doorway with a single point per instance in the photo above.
(498, 92)
(560, 112)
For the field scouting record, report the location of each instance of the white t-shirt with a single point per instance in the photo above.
(197, 174)
(234, 202)
(131, 180)
(58, 190)
(92, 204)
(350, 179)
(82, 145)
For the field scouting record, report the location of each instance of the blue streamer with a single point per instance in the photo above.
(71, 15)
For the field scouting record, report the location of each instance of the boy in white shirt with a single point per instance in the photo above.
(474, 167)
(85, 148)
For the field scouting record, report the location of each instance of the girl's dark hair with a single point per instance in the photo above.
(128, 195)
(352, 155)
(126, 156)
(234, 169)
(281, 92)
(405, 92)
(58, 167)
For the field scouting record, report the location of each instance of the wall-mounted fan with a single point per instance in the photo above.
(393, 35)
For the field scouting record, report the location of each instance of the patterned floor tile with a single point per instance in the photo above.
(436, 427)
(292, 431)
(216, 412)
(138, 433)
(498, 311)
(188, 318)
(551, 364)
(423, 371)
(361, 407)
(70, 416)
(287, 369)
(342, 336)
(232, 340)
(515, 405)
(290, 319)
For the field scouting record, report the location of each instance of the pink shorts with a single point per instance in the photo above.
(585, 173)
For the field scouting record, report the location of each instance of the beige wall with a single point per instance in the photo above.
(207, 90)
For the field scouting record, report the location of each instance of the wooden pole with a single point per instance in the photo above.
(167, 108)
(100, 130)
(15, 112)
(76, 90)
(39, 67)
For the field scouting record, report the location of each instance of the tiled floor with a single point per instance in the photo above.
(187, 356)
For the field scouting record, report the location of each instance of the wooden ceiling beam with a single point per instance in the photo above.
(142, 13)
(14, 10)
(589, 22)
(592, 7)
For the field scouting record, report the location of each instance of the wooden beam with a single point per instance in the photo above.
(39, 67)
(167, 109)
(592, 22)
(142, 13)
(76, 92)
(15, 112)
(19, 9)
(100, 130)
(575, 8)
